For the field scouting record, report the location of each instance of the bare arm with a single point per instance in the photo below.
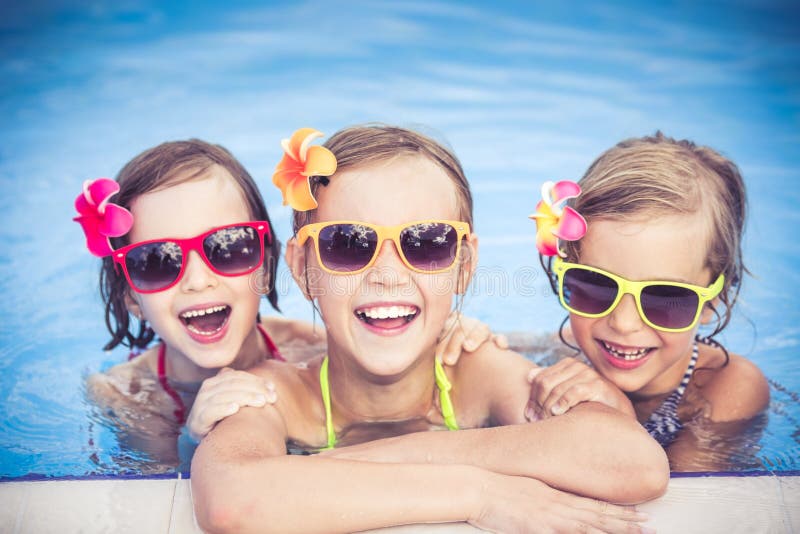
(243, 481)
(592, 450)
(238, 488)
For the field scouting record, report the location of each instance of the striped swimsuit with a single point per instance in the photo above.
(664, 424)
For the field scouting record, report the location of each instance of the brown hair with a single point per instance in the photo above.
(159, 167)
(657, 175)
(373, 143)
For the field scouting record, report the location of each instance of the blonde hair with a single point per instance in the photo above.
(374, 143)
(658, 175)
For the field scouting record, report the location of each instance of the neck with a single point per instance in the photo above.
(358, 396)
(182, 369)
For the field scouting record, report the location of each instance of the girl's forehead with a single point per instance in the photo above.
(188, 208)
(403, 189)
(667, 247)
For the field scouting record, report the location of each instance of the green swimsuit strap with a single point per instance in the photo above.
(442, 383)
(444, 386)
(326, 400)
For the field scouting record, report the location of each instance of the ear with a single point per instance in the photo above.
(296, 260)
(469, 262)
(134, 308)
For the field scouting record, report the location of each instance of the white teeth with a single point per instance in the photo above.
(628, 355)
(388, 312)
(200, 313)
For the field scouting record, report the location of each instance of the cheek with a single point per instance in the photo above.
(581, 328)
(438, 291)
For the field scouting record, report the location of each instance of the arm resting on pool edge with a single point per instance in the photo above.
(591, 450)
(626, 467)
(242, 481)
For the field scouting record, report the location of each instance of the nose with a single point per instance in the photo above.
(625, 317)
(388, 268)
(197, 276)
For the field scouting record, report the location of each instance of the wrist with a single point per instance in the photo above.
(477, 491)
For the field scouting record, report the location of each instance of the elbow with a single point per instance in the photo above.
(647, 471)
(213, 512)
(654, 477)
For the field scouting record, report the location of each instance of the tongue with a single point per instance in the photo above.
(388, 323)
(210, 322)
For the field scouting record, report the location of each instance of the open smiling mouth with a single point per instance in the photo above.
(387, 316)
(629, 355)
(206, 321)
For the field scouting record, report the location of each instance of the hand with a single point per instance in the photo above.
(556, 389)
(465, 334)
(223, 395)
(521, 504)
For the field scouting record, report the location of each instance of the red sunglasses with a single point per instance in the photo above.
(158, 264)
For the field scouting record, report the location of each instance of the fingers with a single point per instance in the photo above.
(500, 340)
(225, 394)
(545, 380)
(569, 393)
(462, 334)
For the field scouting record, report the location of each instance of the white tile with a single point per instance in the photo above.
(719, 504)
(98, 506)
(182, 520)
(13, 496)
(790, 491)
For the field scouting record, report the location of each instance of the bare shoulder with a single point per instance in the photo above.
(735, 391)
(297, 340)
(299, 405)
(132, 380)
(492, 381)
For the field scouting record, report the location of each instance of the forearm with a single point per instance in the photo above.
(592, 451)
(317, 494)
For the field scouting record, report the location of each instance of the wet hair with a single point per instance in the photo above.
(658, 175)
(373, 143)
(157, 168)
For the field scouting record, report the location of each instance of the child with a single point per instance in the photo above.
(661, 255)
(190, 261)
(383, 253)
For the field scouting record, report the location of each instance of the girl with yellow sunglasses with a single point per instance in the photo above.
(661, 255)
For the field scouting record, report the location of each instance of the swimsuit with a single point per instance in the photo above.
(180, 407)
(448, 413)
(664, 424)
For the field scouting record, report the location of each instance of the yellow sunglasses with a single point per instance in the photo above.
(350, 247)
(663, 305)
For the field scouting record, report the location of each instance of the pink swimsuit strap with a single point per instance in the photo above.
(180, 407)
(273, 348)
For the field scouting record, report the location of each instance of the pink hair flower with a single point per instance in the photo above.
(556, 221)
(301, 161)
(100, 218)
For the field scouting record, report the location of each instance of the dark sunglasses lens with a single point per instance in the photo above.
(233, 250)
(347, 247)
(153, 266)
(429, 246)
(669, 306)
(588, 292)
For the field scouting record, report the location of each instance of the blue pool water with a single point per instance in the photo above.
(522, 94)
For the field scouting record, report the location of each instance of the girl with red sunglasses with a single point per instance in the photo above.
(383, 245)
(188, 251)
(661, 256)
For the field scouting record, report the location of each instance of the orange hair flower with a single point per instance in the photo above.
(301, 161)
